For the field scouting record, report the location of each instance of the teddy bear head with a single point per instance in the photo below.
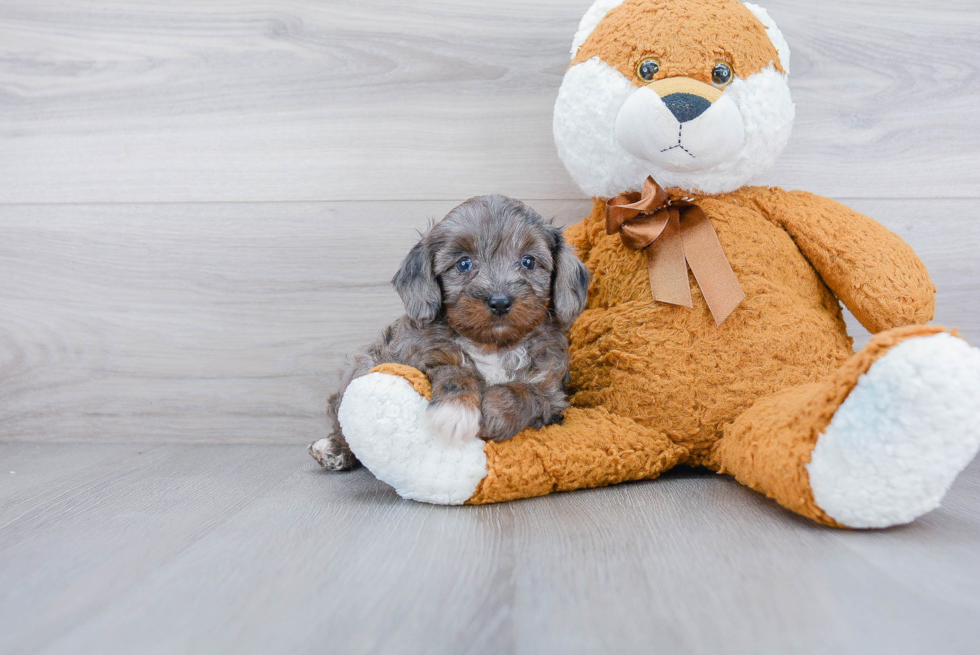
(691, 92)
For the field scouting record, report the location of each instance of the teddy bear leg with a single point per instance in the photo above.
(877, 444)
(382, 415)
(591, 448)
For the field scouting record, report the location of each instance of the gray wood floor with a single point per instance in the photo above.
(250, 548)
(201, 202)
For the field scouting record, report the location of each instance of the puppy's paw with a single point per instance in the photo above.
(333, 455)
(558, 418)
(503, 414)
(454, 421)
(496, 428)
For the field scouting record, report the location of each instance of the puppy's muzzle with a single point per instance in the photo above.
(500, 304)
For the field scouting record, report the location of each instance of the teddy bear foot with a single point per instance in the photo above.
(383, 419)
(908, 428)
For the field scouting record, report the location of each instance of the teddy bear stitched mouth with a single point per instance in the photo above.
(674, 136)
(685, 107)
(680, 144)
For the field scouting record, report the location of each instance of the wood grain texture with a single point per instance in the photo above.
(253, 100)
(252, 549)
(201, 204)
(193, 321)
(150, 323)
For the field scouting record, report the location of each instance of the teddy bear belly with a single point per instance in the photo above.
(670, 368)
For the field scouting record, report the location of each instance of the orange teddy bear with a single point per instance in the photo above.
(713, 335)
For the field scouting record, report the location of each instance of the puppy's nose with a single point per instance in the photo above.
(500, 303)
(686, 106)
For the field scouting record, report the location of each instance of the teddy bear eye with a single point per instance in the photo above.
(464, 265)
(648, 69)
(722, 75)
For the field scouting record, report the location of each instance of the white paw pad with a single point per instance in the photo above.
(455, 423)
(386, 425)
(908, 428)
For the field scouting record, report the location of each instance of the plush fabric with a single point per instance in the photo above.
(681, 35)
(775, 396)
(792, 422)
(416, 378)
(598, 11)
(924, 393)
(592, 448)
(586, 120)
(383, 416)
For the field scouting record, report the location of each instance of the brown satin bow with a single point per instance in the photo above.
(676, 235)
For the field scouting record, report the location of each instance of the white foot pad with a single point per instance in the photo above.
(383, 419)
(908, 428)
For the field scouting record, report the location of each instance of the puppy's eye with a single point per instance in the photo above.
(648, 69)
(529, 262)
(464, 265)
(722, 75)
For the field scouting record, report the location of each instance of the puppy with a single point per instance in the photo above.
(489, 293)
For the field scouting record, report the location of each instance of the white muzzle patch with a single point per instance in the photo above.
(647, 128)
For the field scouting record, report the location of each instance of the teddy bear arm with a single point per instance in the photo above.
(871, 269)
(590, 448)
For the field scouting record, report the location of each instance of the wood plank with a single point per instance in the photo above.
(206, 100)
(252, 549)
(152, 323)
(204, 313)
(34, 476)
(64, 560)
(707, 566)
(916, 554)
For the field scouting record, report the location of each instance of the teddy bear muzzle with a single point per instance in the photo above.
(681, 125)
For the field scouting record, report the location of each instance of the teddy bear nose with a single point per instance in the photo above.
(686, 106)
(500, 303)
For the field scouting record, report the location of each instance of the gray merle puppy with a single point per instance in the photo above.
(489, 292)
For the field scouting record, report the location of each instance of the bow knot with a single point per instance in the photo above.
(675, 235)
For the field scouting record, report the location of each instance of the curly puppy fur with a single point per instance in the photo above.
(489, 292)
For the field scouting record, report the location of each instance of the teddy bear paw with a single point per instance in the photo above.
(908, 428)
(384, 420)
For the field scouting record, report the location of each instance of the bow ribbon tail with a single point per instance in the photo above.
(706, 257)
(674, 238)
(667, 267)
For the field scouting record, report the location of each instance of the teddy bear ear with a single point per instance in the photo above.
(600, 8)
(775, 35)
(590, 20)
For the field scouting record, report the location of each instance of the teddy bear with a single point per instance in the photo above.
(713, 335)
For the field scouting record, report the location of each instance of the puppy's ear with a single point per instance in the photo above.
(417, 285)
(569, 280)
